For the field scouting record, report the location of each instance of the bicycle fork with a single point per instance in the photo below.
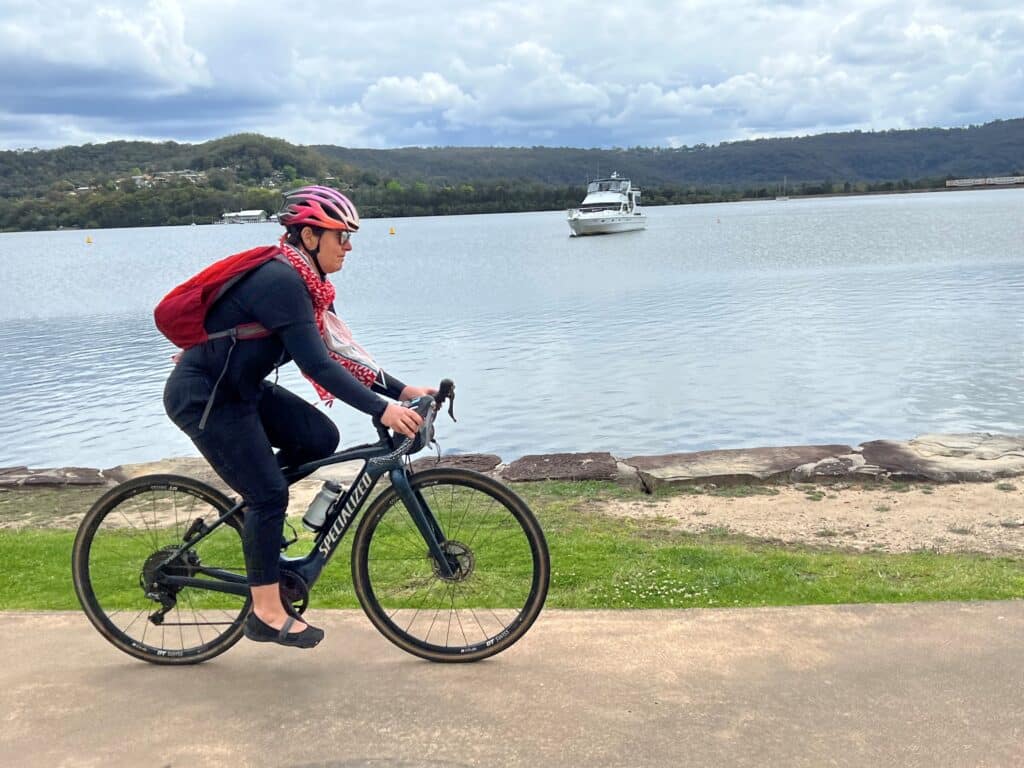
(427, 524)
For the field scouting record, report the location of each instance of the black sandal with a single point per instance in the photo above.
(259, 631)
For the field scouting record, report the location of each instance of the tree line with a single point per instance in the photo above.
(43, 189)
(992, 149)
(184, 203)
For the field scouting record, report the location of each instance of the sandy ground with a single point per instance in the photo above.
(970, 517)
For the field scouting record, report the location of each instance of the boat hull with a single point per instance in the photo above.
(605, 225)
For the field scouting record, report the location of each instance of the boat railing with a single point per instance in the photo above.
(598, 208)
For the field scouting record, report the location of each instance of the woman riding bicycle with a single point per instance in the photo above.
(218, 395)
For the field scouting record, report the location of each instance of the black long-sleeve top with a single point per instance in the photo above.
(275, 296)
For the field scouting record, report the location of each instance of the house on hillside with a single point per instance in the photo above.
(991, 181)
(244, 217)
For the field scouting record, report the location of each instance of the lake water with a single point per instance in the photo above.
(833, 320)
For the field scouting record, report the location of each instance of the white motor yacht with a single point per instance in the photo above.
(611, 205)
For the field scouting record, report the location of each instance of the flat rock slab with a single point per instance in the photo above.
(834, 467)
(479, 462)
(740, 465)
(199, 468)
(12, 477)
(977, 456)
(563, 466)
(936, 458)
(187, 466)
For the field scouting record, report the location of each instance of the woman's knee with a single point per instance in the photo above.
(315, 438)
(267, 504)
(324, 438)
(301, 431)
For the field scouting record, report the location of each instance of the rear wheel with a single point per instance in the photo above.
(495, 546)
(133, 538)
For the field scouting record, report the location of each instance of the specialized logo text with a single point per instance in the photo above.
(341, 524)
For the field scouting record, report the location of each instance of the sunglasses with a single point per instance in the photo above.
(343, 236)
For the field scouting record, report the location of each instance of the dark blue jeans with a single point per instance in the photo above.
(239, 441)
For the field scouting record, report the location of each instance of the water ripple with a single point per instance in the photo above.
(720, 326)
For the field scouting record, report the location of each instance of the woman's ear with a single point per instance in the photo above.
(309, 238)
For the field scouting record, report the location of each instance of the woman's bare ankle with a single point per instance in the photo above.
(267, 605)
(277, 620)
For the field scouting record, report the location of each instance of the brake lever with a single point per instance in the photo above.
(446, 391)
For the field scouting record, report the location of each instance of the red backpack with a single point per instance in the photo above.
(181, 313)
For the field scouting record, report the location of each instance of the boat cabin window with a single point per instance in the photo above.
(607, 186)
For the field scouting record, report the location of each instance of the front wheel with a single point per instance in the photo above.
(495, 546)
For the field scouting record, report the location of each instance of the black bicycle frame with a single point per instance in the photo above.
(379, 459)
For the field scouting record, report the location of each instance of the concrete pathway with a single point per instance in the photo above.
(938, 684)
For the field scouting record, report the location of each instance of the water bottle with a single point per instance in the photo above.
(313, 520)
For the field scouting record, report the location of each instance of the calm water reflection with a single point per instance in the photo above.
(835, 320)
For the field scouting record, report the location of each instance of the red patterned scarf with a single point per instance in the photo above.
(322, 294)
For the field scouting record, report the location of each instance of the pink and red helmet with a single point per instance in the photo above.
(321, 207)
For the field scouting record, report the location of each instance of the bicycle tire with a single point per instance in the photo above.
(109, 577)
(400, 555)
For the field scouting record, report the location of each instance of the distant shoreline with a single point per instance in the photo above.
(144, 184)
(372, 217)
(980, 188)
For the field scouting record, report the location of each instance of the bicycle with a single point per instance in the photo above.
(460, 577)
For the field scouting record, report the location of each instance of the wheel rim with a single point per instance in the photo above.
(124, 561)
(496, 568)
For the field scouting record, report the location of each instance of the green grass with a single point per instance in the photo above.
(598, 561)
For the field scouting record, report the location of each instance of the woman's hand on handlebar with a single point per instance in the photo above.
(411, 393)
(404, 421)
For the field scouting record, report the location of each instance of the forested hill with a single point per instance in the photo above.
(246, 157)
(995, 148)
(130, 184)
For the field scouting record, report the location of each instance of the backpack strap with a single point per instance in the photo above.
(241, 332)
(213, 392)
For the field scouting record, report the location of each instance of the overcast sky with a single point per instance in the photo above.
(593, 74)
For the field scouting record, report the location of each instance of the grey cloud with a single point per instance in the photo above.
(125, 103)
(655, 72)
(148, 39)
(43, 87)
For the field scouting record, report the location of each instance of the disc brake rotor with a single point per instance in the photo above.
(460, 558)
